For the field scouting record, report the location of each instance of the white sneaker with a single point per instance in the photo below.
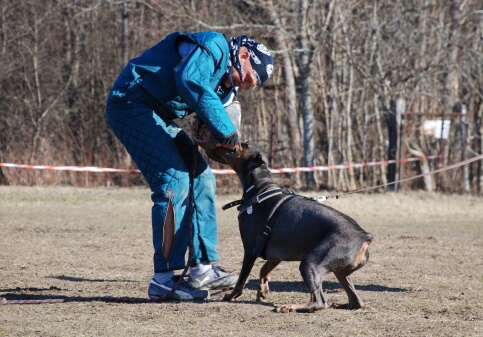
(184, 291)
(216, 278)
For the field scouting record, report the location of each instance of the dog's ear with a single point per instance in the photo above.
(258, 160)
(261, 158)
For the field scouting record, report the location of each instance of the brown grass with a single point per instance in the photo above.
(424, 277)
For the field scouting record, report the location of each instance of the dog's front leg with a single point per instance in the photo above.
(248, 262)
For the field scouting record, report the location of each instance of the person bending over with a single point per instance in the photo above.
(184, 74)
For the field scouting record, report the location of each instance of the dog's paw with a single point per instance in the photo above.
(262, 296)
(302, 308)
(346, 306)
(231, 296)
(227, 297)
(284, 308)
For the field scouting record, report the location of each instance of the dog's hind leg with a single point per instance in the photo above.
(265, 272)
(313, 271)
(354, 301)
(327, 257)
(343, 275)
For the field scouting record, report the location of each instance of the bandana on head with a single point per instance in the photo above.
(260, 59)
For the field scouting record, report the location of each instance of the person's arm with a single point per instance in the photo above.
(193, 84)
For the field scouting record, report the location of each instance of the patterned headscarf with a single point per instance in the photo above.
(260, 59)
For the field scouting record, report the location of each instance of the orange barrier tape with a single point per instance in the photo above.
(218, 171)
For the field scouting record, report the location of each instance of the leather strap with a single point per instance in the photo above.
(262, 239)
(259, 198)
(254, 200)
(232, 204)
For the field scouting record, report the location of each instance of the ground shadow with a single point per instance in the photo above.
(31, 295)
(287, 286)
(30, 298)
(81, 279)
(30, 289)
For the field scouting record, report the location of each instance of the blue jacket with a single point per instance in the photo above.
(175, 87)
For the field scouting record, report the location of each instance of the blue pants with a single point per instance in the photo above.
(164, 154)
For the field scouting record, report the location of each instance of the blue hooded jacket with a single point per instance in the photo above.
(174, 86)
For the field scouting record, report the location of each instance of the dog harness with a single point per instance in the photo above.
(260, 245)
(245, 204)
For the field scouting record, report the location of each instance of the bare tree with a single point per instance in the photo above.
(339, 67)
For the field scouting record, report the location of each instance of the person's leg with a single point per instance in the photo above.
(205, 231)
(150, 143)
(203, 275)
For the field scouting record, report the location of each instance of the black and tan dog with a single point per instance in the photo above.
(277, 225)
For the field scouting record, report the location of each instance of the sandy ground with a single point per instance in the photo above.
(424, 277)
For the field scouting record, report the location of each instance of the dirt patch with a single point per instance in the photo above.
(424, 275)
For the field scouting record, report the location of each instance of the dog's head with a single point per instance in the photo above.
(248, 161)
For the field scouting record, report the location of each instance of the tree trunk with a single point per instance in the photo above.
(290, 88)
(125, 32)
(349, 70)
(381, 140)
(304, 60)
(423, 164)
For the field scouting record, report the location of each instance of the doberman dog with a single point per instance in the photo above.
(278, 225)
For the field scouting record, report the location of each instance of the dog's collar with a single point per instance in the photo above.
(238, 202)
(244, 204)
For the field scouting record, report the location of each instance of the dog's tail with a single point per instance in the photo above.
(363, 255)
(368, 237)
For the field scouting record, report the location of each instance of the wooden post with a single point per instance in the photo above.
(400, 108)
(464, 146)
(392, 146)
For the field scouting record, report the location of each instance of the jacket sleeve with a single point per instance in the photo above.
(193, 76)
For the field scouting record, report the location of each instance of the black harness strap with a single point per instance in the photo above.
(231, 204)
(255, 200)
(262, 239)
(259, 198)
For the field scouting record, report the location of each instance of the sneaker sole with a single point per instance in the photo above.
(216, 288)
(209, 286)
(177, 295)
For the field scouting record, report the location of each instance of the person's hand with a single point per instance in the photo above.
(199, 131)
(201, 135)
(230, 140)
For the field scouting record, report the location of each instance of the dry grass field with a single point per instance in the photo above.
(424, 277)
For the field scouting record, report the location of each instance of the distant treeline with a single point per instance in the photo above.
(354, 82)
